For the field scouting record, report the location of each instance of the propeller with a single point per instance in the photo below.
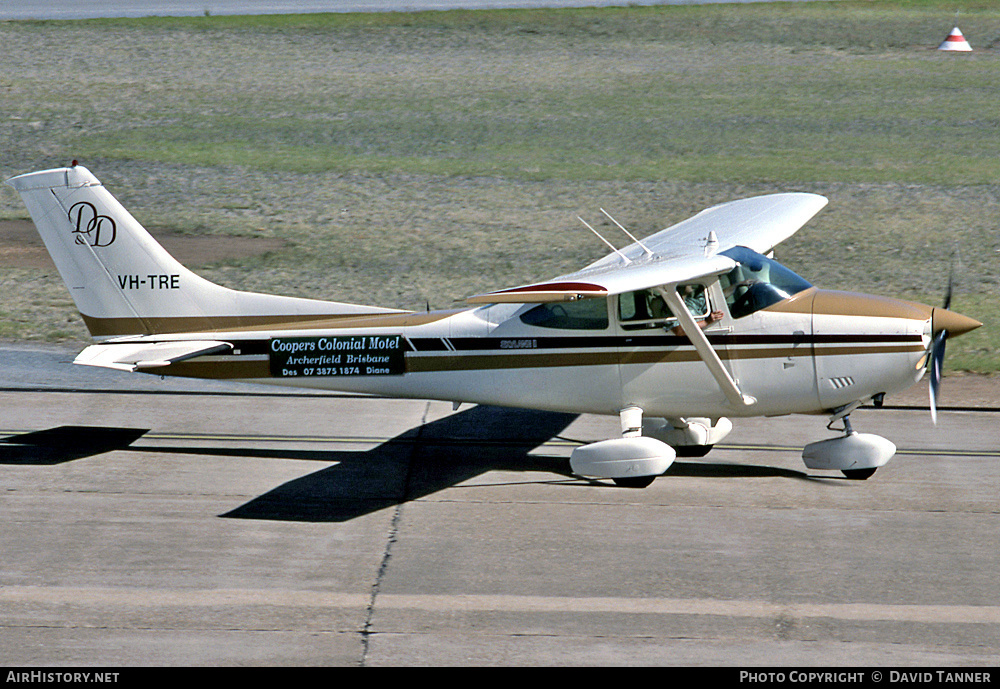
(936, 359)
(935, 363)
(951, 284)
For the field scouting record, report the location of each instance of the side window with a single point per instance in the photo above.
(644, 308)
(647, 309)
(584, 314)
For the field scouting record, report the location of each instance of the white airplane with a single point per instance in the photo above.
(673, 333)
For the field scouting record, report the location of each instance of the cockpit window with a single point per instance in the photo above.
(584, 314)
(645, 308)
(757, 282)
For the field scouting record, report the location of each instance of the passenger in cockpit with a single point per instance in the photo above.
(696, 302)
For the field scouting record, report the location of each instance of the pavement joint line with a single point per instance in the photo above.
(80, 597)
(393, 537)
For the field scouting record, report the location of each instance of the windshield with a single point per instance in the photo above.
(757, 282)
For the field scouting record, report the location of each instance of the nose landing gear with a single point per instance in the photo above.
(856, 455)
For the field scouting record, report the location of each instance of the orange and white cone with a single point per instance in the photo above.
(955, 41)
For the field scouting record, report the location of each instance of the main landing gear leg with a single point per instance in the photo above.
(631, 421)
(632, 461)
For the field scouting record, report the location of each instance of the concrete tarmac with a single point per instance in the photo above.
(179, 523)
(87, 9)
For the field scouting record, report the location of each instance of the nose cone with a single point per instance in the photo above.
(955, 323)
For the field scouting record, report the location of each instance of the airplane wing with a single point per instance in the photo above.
(759, 223)
(613, 278)
(683, 252)
(135, 356)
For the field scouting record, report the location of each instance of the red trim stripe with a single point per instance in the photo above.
(556, 287)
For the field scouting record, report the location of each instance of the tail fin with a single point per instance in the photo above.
(124, 283)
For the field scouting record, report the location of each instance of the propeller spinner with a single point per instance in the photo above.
(944, 324)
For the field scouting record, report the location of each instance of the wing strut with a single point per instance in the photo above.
(704, 348)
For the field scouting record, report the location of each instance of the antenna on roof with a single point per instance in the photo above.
(623, 256)
(711, 244)
(621, 227)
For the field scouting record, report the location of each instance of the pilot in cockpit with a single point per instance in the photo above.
(757, 282)
(743, 276)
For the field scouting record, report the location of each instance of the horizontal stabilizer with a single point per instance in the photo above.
(147, 355)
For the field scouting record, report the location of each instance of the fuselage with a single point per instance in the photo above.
(810, 353)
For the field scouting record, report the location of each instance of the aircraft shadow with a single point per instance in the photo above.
(65, 444)
(417, 463)
(428, 459)
(726, 470)
(413, 465)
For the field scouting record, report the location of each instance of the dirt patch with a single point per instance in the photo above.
(957, 390)
(21, 246)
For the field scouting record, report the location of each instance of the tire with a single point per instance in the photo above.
(634, 481)
(858, 474)
(693, 450)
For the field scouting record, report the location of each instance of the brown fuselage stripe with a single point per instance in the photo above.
(232, 368)
(219, 369)
(652, 357)
(116, 327)
(465, 362)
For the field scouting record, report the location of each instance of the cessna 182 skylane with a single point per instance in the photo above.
(673, 333)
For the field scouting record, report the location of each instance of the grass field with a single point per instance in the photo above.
(414, 159)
